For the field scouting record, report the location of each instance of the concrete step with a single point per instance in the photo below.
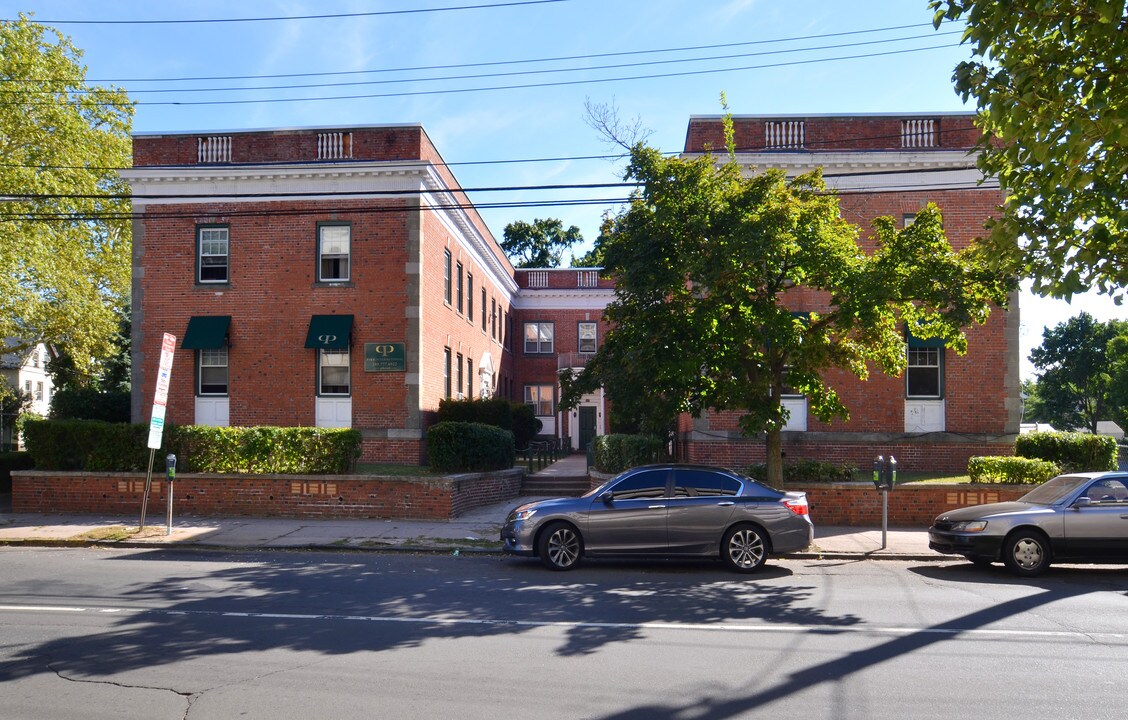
(557, 486)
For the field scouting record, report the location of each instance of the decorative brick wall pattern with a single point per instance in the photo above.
(859, 504)
(313, 496)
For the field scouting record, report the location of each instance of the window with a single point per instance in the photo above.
(27, 387)
(212, 250)
(923, 377)
(493, 318)
(538, 337)
(35, 358)
(587, 337)
(446, 372)
(539, 398)
(641, 485)
(458, 370)
(333, 250)
(212, 371)
(39, 392)
(483, 309)
(470, 297)
(458, 275)
(469, 378)
(446, 276)
(704, 483)
(333, 372)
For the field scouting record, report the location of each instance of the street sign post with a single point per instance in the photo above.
(156, 420)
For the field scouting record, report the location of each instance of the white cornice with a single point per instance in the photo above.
(563, 299)
(883, 170)
(235, 184)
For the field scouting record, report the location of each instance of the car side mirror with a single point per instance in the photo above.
(1083, 501)
(607, 496)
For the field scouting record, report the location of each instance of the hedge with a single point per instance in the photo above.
(1070, 451)
(499, 412)
(805, 471)
(94, 445)
(1010, 469)
(469, 447)
(617, 452)
(10, 461)
(89, 404)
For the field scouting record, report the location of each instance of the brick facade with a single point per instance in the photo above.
(271, 191)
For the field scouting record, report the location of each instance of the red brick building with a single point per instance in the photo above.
(340, 277)
(947, 407)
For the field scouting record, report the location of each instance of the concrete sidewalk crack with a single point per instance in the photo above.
(189, 697)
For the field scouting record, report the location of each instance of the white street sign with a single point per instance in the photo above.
(160, 399)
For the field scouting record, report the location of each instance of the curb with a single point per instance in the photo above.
(417, 549)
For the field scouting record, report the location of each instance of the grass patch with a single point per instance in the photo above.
(118, 533)
(462, 542)
(911, 476)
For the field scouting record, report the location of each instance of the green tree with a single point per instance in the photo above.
(540, 244)
(708, 266)
(1074, 366)
(1032, 408)
(1050, 80)
(64, 218)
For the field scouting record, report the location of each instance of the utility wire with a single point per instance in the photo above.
(514, 73)
(494, 63)
(414, 11)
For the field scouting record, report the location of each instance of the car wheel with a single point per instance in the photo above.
(560, 546)
(744, 548)
(1027, 553)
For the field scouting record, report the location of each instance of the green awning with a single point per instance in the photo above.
(206, 332)
(329, 332)
(915, 342)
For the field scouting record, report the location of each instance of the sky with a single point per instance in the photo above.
(500, 86)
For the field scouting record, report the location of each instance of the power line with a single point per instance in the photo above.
(521, 86)
(414, 11)
(516, 73)
(455, 66)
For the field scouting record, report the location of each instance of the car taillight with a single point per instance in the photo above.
(797, 505)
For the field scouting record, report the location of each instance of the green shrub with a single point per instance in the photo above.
(1071, 451)
(499, 412)
(469, 447)
(75, 403)
(100, 446)
(805, 471)
(10, 461)
(615, 453)
(1008, 469)
(265, 450)
(86, 445)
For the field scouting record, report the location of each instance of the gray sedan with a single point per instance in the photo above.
(1081, 517)
(660, 511)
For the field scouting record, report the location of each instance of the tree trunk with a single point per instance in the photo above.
(774, 451)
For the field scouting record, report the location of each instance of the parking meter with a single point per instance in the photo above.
(170, 466)
(878, 471)
(890, 472)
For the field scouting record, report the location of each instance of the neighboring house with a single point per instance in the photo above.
(946, 407)
(340, 277)
(27, 371)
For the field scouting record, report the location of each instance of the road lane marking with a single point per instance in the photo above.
(569, 625)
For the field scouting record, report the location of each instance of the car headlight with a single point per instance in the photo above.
(523, 515)
(970, 526)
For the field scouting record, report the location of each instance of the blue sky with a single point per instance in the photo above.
(908, 69)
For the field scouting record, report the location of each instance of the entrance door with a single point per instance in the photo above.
(587, 425)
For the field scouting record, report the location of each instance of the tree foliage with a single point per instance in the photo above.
(64, 228)
(729, 287)
(1051, 83)
(1078, 372)
(540, 244)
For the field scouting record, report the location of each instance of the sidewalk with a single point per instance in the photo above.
(475, 532)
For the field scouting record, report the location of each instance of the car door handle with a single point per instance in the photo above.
(728, 503)
(656, 507)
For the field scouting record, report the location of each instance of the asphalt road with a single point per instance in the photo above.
(96, 633)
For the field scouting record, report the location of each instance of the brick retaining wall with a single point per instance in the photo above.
(859, 504)
(323, 496)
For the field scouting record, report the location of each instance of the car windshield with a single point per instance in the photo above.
(1053, 491)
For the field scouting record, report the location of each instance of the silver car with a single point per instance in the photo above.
(1080, 516)
(664, 511)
